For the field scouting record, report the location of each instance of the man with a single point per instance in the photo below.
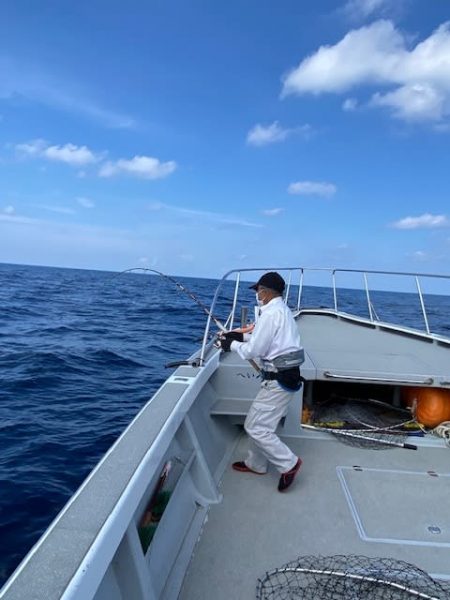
(275, 340)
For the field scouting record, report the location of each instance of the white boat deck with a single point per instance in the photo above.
(392, 505)
(340, 346)
(383, 510)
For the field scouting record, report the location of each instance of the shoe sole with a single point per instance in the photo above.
(247, 470)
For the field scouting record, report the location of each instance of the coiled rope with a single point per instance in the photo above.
(443, 431)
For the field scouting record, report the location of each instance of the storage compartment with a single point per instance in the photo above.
(357, 412)
(320, 392)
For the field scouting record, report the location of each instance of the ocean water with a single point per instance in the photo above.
(80, 354)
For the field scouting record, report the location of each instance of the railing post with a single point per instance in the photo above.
(236, 290)
(334, 290)
(369, 303)
(286, 298)
(300, 288)
(210, 318)
(424, 312)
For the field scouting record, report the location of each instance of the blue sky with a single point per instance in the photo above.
(195, 137)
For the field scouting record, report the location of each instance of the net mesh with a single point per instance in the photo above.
(350, 577)
(364, 423)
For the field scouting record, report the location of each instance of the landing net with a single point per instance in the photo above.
(349, 577)
(364, 423)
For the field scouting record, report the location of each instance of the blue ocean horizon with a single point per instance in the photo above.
(82, 351)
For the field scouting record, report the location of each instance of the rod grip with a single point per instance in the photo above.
(177, 363)
(410, 446)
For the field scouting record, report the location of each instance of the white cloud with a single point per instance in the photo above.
(139, 166)
(425, 221)
(442, 127)
(161, 238)
(33, 148)
(85, 202)
(363, 56)
(414, 102)
(204, 215)
(18, 219)
(62, 210)
(350, 104)
(39, 241)
(361, 9)
(312, 188)
(272, 212)
(378, 54)
(419, 255)
(263, 135)
(69, 153)
(9, 210)
(30, 81)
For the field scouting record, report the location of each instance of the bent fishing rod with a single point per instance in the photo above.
(182, 288)
(193, 297)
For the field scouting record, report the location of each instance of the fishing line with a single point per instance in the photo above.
(182, 288)
(185, 290)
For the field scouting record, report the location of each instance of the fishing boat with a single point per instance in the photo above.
(163, 515)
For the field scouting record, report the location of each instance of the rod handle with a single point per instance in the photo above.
(410, 446)
(177, 363)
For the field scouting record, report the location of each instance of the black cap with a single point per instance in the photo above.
(270, 280)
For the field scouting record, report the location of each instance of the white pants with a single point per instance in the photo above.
(266, 411)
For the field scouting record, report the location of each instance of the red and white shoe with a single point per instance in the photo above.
(287, 478)
(242, 468)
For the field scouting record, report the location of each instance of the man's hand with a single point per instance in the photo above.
(234, 335)
(228, 337)
(225, 343)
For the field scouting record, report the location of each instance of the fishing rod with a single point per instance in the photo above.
(193, 297)
(182, 288)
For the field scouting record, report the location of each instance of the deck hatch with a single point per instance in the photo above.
(398, 507)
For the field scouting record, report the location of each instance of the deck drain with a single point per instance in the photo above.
(434, 529)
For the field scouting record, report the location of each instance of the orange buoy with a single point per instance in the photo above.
(410, 396)
(433, 406)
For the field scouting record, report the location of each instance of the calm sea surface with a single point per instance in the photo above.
(80, 354)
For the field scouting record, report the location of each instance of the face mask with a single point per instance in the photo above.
(258, 301)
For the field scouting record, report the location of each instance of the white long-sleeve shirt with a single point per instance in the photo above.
(275, 333)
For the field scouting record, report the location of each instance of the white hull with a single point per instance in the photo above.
(222, 530)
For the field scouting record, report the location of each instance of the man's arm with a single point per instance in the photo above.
(259, 341)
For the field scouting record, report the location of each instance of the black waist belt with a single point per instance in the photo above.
(269, 375)
(289, 378)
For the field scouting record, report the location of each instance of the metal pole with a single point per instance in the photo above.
(369, 303)
(286, 298)
(334, 290)
(300, 288)
(422, 305)
(236, 290)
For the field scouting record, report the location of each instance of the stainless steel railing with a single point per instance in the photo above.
(292, 274)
